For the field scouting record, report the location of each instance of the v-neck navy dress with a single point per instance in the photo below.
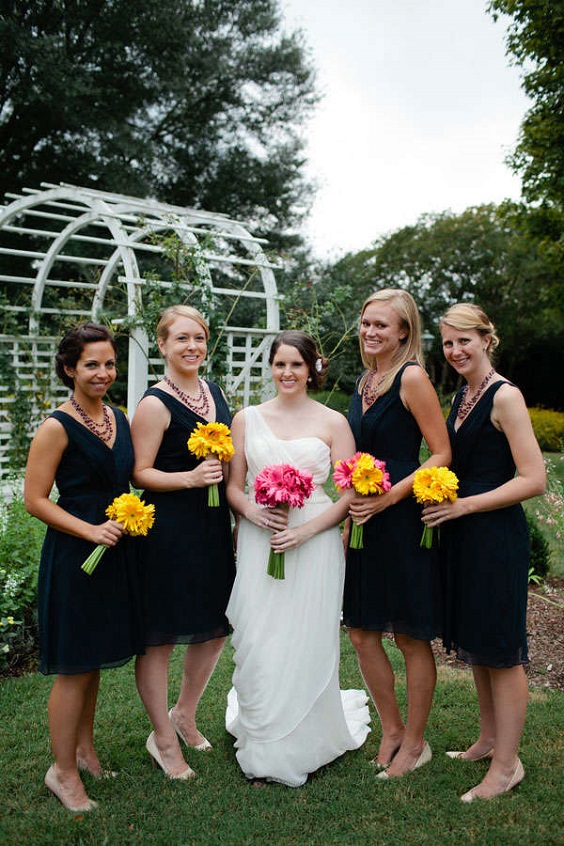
(485, 555)
(392, 585)
(187, 561)
(89, 622)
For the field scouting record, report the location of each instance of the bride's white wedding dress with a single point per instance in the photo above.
(285, 708)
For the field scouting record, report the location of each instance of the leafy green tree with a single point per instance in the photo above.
(507, 258)
(197, 102)
(536, 43)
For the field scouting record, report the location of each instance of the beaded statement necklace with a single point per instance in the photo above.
(371, 389)
(200, 404)
(103, 430)
(468, 403)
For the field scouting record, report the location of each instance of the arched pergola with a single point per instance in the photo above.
(75, 254)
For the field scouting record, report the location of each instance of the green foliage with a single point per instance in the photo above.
(548, 426)
(548, 512)
(508, 258)
(196, 102)
(536, 42)
(540, 551)
(21, 538)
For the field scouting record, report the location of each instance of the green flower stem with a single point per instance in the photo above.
(276, 565)
(427, 537)
(213, 496)
(92, 561)
(357, 536)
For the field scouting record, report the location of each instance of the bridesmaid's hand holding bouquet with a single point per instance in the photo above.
(368, 477)
(433, 485)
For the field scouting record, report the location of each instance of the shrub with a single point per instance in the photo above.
(548, 426)
(540, 549)
(21, 537)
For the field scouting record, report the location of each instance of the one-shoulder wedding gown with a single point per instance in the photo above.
(285, 709)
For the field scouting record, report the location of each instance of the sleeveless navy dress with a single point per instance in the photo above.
(392, 584)
(188, 562)
(89, 622)
(485, 555)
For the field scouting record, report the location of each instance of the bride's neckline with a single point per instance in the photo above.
(290, 440)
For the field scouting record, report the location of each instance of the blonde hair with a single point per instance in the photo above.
(410, 348)
(465, 316)
(169, 314)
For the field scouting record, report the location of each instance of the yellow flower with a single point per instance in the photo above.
(212, 437)
(136, 517)
(366, 478)
(10, 620)
(435, 484)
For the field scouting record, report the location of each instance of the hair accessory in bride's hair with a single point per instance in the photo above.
(318, 365)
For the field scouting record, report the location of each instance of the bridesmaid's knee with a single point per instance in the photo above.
(363, 639)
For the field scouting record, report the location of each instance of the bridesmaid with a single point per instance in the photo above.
(486, 546)
(390, 584)
(85, 622)
(188, 562)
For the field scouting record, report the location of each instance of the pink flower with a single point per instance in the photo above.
(282, 484)
(342, 473)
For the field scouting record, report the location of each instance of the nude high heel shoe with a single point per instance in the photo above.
(204, 746)
(424, 758)
(53, 784)
(153, 750)
(516, 778)
(459, 755)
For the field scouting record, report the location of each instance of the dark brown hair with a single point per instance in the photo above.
(71, 347)
(307, 348)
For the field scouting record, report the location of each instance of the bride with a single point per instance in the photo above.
(285, 708)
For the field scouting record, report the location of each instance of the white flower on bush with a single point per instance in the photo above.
(12, 585)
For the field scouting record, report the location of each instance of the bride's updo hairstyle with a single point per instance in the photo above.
(71, 347)
(306, 346)
(469, 316)
(169, 315)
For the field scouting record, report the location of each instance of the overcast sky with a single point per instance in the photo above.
(420, 108)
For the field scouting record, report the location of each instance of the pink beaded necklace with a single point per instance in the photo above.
(468, 403)
(200, 404)
(103, 430)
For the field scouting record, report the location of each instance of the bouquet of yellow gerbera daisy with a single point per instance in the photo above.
(212, 439)
(433, 484)
(368, 476)
(135, 517)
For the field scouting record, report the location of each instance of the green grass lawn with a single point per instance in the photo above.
(341, 804)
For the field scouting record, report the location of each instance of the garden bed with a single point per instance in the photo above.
(545, 629)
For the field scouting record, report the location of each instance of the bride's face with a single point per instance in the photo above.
(289, 371)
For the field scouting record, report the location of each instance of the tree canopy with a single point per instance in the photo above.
(507, 258)
(196, 102)
(536, 43)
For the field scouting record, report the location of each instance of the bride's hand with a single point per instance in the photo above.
(274, 519)
(289, 538)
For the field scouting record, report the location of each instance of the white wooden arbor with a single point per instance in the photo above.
(62, 244)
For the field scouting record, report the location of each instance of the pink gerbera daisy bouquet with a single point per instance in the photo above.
(367, 476)
(282, 484)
